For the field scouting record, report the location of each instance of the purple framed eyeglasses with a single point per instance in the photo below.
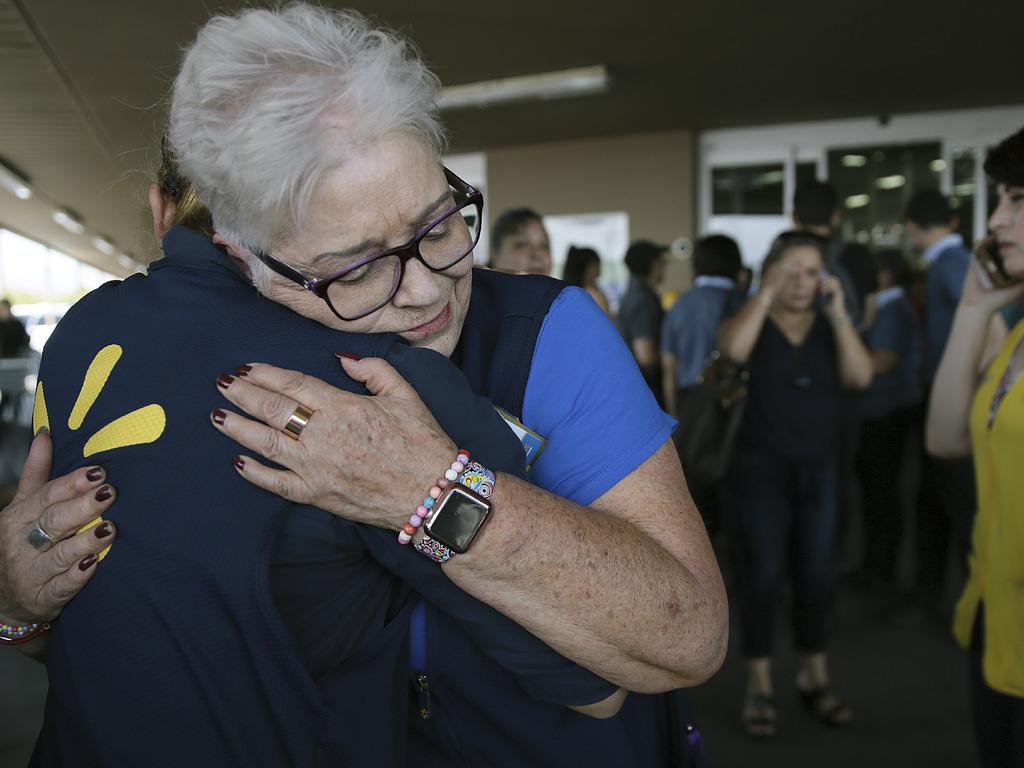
(367, 284)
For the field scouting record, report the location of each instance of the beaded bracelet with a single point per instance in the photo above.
(450, 476)
(16, 634)
(477, 478)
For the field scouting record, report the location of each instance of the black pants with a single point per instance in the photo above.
(706, 498)
(998, 718)
(879, 462)
(945, 516)
(782, 516)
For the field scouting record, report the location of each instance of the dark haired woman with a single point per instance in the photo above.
(784, 506)
(582, 268)
(985, 414)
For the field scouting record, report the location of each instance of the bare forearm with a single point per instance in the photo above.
(854, 360)
(646, 614)
(739, 334)
(947, 432)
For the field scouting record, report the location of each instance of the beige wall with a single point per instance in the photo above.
(650, 176)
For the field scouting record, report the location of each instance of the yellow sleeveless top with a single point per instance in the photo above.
(996, 563)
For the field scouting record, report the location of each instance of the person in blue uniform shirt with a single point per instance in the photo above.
(598, 525)
(946, 501)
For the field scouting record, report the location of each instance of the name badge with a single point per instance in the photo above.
(533, 444)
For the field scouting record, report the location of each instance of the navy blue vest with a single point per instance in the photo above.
(193, 661)
(176, 651)
(480, 714)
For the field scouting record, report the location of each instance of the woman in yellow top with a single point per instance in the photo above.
(986, 415)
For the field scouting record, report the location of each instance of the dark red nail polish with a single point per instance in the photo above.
(218, 416)
(94, 474)
(87, 562)
(224, 381)
(239, 463)
(243, 370)
(103, 530)
(103, 493)
(348, 356)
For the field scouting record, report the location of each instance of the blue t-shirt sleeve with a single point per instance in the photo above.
(952, 273)
(587, 397)
(890, 331)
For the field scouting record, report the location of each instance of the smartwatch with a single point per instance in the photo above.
(457, 518)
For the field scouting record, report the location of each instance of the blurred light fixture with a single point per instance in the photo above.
(103, 245)
(770, 178)
(857, 201)
(549, 85)
(126, 261)
(937, 165)
(854, 161)
(890, 182)
(69, 221)
(14, 183)
(967, 189)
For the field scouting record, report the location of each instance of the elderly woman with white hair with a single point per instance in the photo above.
(314, 142)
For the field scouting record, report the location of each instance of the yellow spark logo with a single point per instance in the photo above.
(141, 426)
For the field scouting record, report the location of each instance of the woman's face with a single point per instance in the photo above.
(801, 288)
(592, 272)
(525, 250)
(1007, 225)
(376, 201)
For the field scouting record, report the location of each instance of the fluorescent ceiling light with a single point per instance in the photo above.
(103, 245)
(937, 165)
(857, 201)
(890, 182)
(14, 183)
(964, 190)
(770, 178)
(126, 261)
(550, 85)
(854, 161)
(69, 221)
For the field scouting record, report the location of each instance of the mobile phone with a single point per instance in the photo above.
(993, 270)
(824, 298)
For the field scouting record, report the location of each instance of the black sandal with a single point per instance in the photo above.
(758, 716)
(825, 707)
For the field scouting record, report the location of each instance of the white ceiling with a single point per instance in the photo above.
(81, 81)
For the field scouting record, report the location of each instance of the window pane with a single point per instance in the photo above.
(874, 185)
(747, 189)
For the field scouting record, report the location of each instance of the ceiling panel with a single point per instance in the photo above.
(82, 83)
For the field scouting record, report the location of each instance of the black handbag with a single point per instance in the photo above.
(710, 415)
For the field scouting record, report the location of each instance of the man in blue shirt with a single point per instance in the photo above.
(640, 312)
(688, 331)
(945, 505)
(894, 341)
(688, 336)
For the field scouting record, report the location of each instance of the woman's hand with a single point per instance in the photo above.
(976, 294)
(35, 585)
(367, 459)
(831, 289)
(776, 278)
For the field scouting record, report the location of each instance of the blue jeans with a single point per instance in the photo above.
(783, 516)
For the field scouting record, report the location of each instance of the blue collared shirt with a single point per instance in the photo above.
(689, 329)
(948, 261)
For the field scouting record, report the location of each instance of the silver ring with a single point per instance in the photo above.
(38, 538)
(297, 422)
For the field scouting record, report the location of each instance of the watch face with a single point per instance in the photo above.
(458, 519)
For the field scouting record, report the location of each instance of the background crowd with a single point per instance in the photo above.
(839, 347)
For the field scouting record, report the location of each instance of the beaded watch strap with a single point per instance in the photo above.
(16, 634)
(478, 479)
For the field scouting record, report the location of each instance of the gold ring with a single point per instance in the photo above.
(297, 422)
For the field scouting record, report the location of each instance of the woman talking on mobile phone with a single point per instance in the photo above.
(977, 406)
(802, 350)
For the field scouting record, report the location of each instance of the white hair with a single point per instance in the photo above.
(269, 101)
